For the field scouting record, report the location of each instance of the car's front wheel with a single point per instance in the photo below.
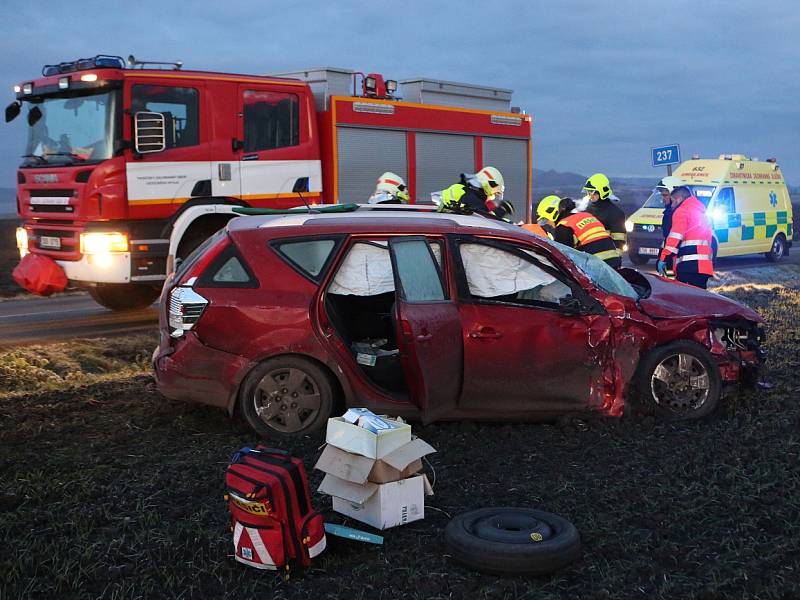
(286, 397)
(679, 380)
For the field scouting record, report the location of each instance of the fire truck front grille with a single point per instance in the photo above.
(52, 201)
(55, 242)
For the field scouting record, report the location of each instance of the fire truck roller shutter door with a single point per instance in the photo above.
(511, 158)
(363, 154)
(441, 158)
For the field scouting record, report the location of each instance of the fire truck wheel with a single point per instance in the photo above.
(124, 297)
(286, 397)
(680, 380)
(512, 541)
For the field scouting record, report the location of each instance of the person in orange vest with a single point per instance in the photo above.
(585, 232)
(689, 239)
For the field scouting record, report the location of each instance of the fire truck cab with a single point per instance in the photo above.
(128, 169)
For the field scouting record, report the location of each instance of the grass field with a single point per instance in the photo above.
(109, 490)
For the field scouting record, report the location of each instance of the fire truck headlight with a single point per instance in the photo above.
(22, 241)
(17, 89)
(370, 83)
(391, 86)
(27, 88)
(103, 242)
(63, 83)
(89, 77)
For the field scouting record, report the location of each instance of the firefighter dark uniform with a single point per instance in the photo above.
(465, 199)
(689, 241)
(583, 231)
(613, 219)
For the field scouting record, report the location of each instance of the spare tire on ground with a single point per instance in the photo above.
(512, 541)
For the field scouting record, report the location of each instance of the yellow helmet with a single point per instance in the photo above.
(598, 183)
(548, 208)
(390, 186)
(491, 180)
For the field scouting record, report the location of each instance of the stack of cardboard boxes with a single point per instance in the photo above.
(372, 469)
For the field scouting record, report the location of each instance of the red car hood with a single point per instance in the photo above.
(672, 300)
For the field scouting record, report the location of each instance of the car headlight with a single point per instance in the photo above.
(103, 242)
(629, 226)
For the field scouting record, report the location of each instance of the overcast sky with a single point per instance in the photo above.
(604, 81)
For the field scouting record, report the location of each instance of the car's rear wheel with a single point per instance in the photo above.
(778, 249)
(286, 397)
(124, 296)
(680, 380)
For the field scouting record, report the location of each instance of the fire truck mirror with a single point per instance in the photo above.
(12, 110)
(149, 132)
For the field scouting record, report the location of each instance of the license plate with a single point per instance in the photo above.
(652, 251)
(47, 241)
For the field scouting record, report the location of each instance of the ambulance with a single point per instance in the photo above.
(747, 203)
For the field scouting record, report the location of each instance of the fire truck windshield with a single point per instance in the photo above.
(72, 129)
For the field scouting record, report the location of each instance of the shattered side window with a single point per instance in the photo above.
(496, 274)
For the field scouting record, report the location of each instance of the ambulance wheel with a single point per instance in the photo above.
(512, 541)
(123, 296)
(286, 397)
(637, 258)
(679, 380)
(778, 250)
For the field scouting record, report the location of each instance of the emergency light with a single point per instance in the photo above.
(101, 61)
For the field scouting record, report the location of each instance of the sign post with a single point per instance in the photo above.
(666, 156)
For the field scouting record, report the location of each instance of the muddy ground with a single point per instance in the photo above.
(109, 490)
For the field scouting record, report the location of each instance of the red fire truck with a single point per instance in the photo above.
(128, 168)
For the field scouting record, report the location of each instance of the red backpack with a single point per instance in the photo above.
(272, 519)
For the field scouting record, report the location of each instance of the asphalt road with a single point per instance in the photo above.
(40, 320)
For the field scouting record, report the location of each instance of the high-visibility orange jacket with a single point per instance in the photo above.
(537, 229)
(689, 239)
(585, 232)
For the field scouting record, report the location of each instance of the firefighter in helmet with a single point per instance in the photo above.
(612, 217)
(390, 189)
(480, 193)
(583, 231)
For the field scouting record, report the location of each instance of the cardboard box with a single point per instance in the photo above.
(382, 505)
(398, 464)
(358, 440)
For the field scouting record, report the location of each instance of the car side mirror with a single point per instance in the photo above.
(149, 132)
(571, 306)
(12, 110)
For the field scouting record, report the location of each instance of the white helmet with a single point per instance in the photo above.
(491, 181)
(390, 187)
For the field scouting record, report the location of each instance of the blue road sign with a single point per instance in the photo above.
(666, 155)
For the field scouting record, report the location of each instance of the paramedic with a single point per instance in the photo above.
(610, 215)
(480, 193)
(583, 231)
(689, 240)
(390, 189)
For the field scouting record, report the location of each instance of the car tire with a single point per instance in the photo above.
(512, 541)
(637, 258)
(124, 296)
(680, 381)
(286, 397)
(778, 249)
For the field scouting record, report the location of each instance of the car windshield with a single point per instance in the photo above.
(599, 272)
(72, 129)
(701, 192)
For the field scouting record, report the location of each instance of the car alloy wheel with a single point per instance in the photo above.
(287, 399)
(680, 383)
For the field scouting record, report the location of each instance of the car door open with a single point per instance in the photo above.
(428, 328)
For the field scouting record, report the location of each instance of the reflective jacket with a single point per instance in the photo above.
(538, 230)
(613, 219)
(464, 199)
(689, 239)
(584, 232)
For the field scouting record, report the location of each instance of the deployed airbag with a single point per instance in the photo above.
(493, 272)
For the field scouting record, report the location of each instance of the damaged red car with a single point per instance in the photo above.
(291, 318)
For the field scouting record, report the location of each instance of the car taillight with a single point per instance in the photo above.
(185, 308)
